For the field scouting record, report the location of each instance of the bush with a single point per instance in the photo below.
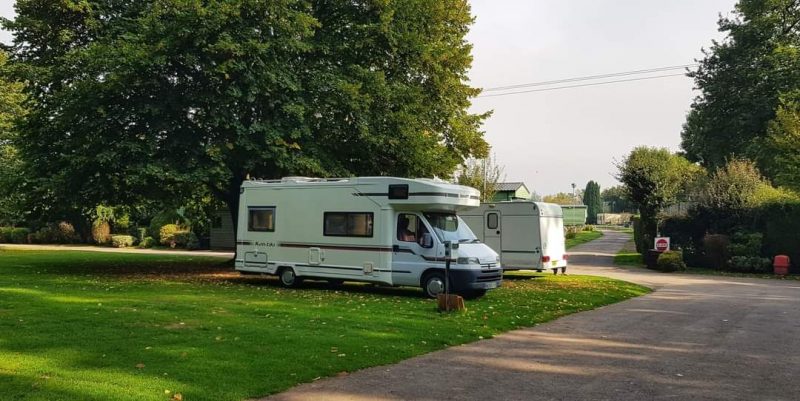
(5, 235)
(750, 264)
(716, 250)
(61, 233)
(185, 239)
(670, 261)
(101, 232)
(168, 217)
(166, 234)
(19, 235)
(588, 227)
(122, 241)
(147, 242)
(571, 235)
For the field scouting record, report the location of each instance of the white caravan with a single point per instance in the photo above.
(527, 235)
(384, 230)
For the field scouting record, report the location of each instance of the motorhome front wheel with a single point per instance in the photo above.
(433, 285)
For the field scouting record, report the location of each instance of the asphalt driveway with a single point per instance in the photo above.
(693, 338)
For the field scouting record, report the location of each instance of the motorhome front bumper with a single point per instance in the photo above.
(464, 280)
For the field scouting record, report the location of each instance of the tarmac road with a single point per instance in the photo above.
(693, 338)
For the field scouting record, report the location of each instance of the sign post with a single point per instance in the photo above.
(662, 244)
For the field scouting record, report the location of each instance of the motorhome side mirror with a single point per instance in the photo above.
(426, 241)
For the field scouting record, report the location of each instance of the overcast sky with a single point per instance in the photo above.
(551, 139)
(554, 138)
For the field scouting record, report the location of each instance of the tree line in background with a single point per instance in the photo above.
(164, 105)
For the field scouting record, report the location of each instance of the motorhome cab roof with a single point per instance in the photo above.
(387, 230)
(404, 193)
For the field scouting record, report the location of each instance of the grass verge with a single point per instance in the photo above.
(628, 258)
(583, 237)
(102, 326)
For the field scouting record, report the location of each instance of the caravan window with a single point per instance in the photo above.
(491, 221)
(347, 224)
(261, 219)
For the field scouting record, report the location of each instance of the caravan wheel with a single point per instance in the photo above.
(288, 278)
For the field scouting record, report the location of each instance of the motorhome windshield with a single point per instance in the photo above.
(450, 227)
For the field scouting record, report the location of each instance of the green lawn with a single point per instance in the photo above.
(106, 326)
(628, 258)
(583, 237)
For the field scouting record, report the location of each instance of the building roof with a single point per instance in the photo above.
(510, 186)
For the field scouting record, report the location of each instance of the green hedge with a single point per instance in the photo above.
(14, 235)
(737, 240)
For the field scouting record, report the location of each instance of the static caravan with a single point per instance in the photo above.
(527, 235)
(384, 230)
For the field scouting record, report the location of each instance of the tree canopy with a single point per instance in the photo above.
(561, 198)
(483, 175)
(653, 179)
(617, 199)
(741, 80)
(593, 202)
(155, 98)
(11, 177)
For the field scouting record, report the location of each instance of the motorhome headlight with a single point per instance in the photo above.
(469, 261)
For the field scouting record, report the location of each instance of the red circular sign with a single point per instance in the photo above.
(661, 245)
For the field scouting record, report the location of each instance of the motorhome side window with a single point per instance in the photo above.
(261, 219)
(347, 224)
(491, 221)
(410, 228)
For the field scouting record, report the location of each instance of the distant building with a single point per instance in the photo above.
(507, 191)
(574, 215)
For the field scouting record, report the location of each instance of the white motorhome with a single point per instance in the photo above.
(385, 230)
(527, 235)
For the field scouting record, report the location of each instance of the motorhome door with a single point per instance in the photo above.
(492, 230)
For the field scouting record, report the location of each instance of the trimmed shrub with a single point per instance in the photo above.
(571, 235)
(716, 250)
(168, 217)
(670, 261)
(101, 232)
(147, 242)
(19, 235)
(166, 234)
(122, 241)
(588, 227)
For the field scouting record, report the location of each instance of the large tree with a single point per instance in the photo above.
(782, 151)
(655, 178)
(153, 98)
(741, 80)
(12, 179)
(593, 202)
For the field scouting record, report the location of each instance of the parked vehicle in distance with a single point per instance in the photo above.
(528, 235)
(384, 230)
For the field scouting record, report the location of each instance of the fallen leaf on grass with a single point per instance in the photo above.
(139, 366)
